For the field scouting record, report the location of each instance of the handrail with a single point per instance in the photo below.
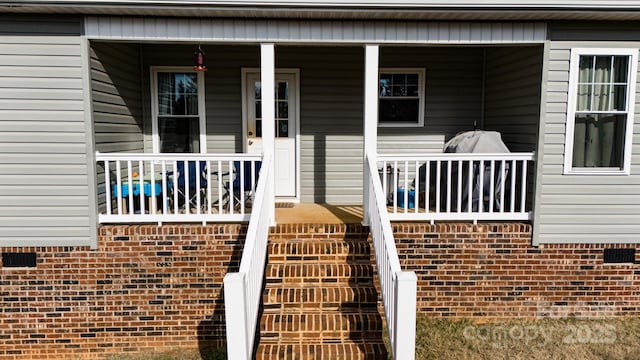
(243, 289)
(458, 186)
(143, 187)
(398, 287)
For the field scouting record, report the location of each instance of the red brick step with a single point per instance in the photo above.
(320, 301)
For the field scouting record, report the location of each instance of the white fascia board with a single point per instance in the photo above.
(449, 4)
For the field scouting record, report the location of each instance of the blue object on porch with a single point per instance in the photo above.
(411, 198)
(233, 188)
(148, 190)
(191, 180)
(247, 174)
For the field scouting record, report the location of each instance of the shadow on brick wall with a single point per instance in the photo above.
(212, 335)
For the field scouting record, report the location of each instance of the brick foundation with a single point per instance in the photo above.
(150, 288)
(146, 288)
(492, 271)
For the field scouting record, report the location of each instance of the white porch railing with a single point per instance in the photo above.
(457, 186)
(243, 289)
(175, 187)
(398, 287)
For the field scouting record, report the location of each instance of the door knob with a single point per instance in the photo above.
(250, 133)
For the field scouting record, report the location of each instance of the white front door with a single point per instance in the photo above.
(286, 131)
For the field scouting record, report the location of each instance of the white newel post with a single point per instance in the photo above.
(236, 317)
(267, 79)
(405, 327)
(371, 55)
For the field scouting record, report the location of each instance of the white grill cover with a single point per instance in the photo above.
(478, 141)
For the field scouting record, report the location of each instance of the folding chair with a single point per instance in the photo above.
(189, 190)
(242, 187)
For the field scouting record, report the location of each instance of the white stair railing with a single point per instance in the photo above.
(454, 186)
(243, 289)
(398, 287)
(145, 187)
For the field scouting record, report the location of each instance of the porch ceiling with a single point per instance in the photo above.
(457, 10)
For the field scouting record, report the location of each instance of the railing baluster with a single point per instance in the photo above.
(197, 189)
(459, 195)
(470, 179)
(175, 188)
(503, 174)
(395, 187)
(107, 186)
(406, 187)
(481, 186)
(120, 197)
(427, 187)
(438, 183)
(513, 185)
(209, 179)
(448, 180)
(523, 194)
(154, 205)
(491, 185)
(242, 174)
(220, 180)
(165, 188)
(416, 194)
(131, 189)
(186, 194)
(232, 191)
(141, 186)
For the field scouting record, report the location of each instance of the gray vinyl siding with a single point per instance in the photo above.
(223, 89)
(331, 122)
(453, 96)
(331, 95)
(116, 90)
(116, 94)
(581, 208)
(44, 173)
(313, 31)
(512, 95)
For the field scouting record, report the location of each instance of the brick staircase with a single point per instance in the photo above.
(320, 302)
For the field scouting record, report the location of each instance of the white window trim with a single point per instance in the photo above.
(571, 110)
(154, 105)
(421, 80)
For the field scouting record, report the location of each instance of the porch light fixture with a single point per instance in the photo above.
(200, 60)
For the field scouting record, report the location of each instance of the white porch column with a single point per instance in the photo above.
(267, 79)
(371, 55)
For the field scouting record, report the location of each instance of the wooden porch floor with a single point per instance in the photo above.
(318, 214)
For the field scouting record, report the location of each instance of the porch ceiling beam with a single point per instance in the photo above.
(150, 29)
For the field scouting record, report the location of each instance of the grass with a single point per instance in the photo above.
(531, 340)
(178, 354)
(445, 339)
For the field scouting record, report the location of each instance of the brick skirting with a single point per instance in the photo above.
(152, 288)
(146, 288)
(492, 271)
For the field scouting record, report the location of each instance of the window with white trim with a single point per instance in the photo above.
(600, 111)
(401, 97)
(178, 111)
